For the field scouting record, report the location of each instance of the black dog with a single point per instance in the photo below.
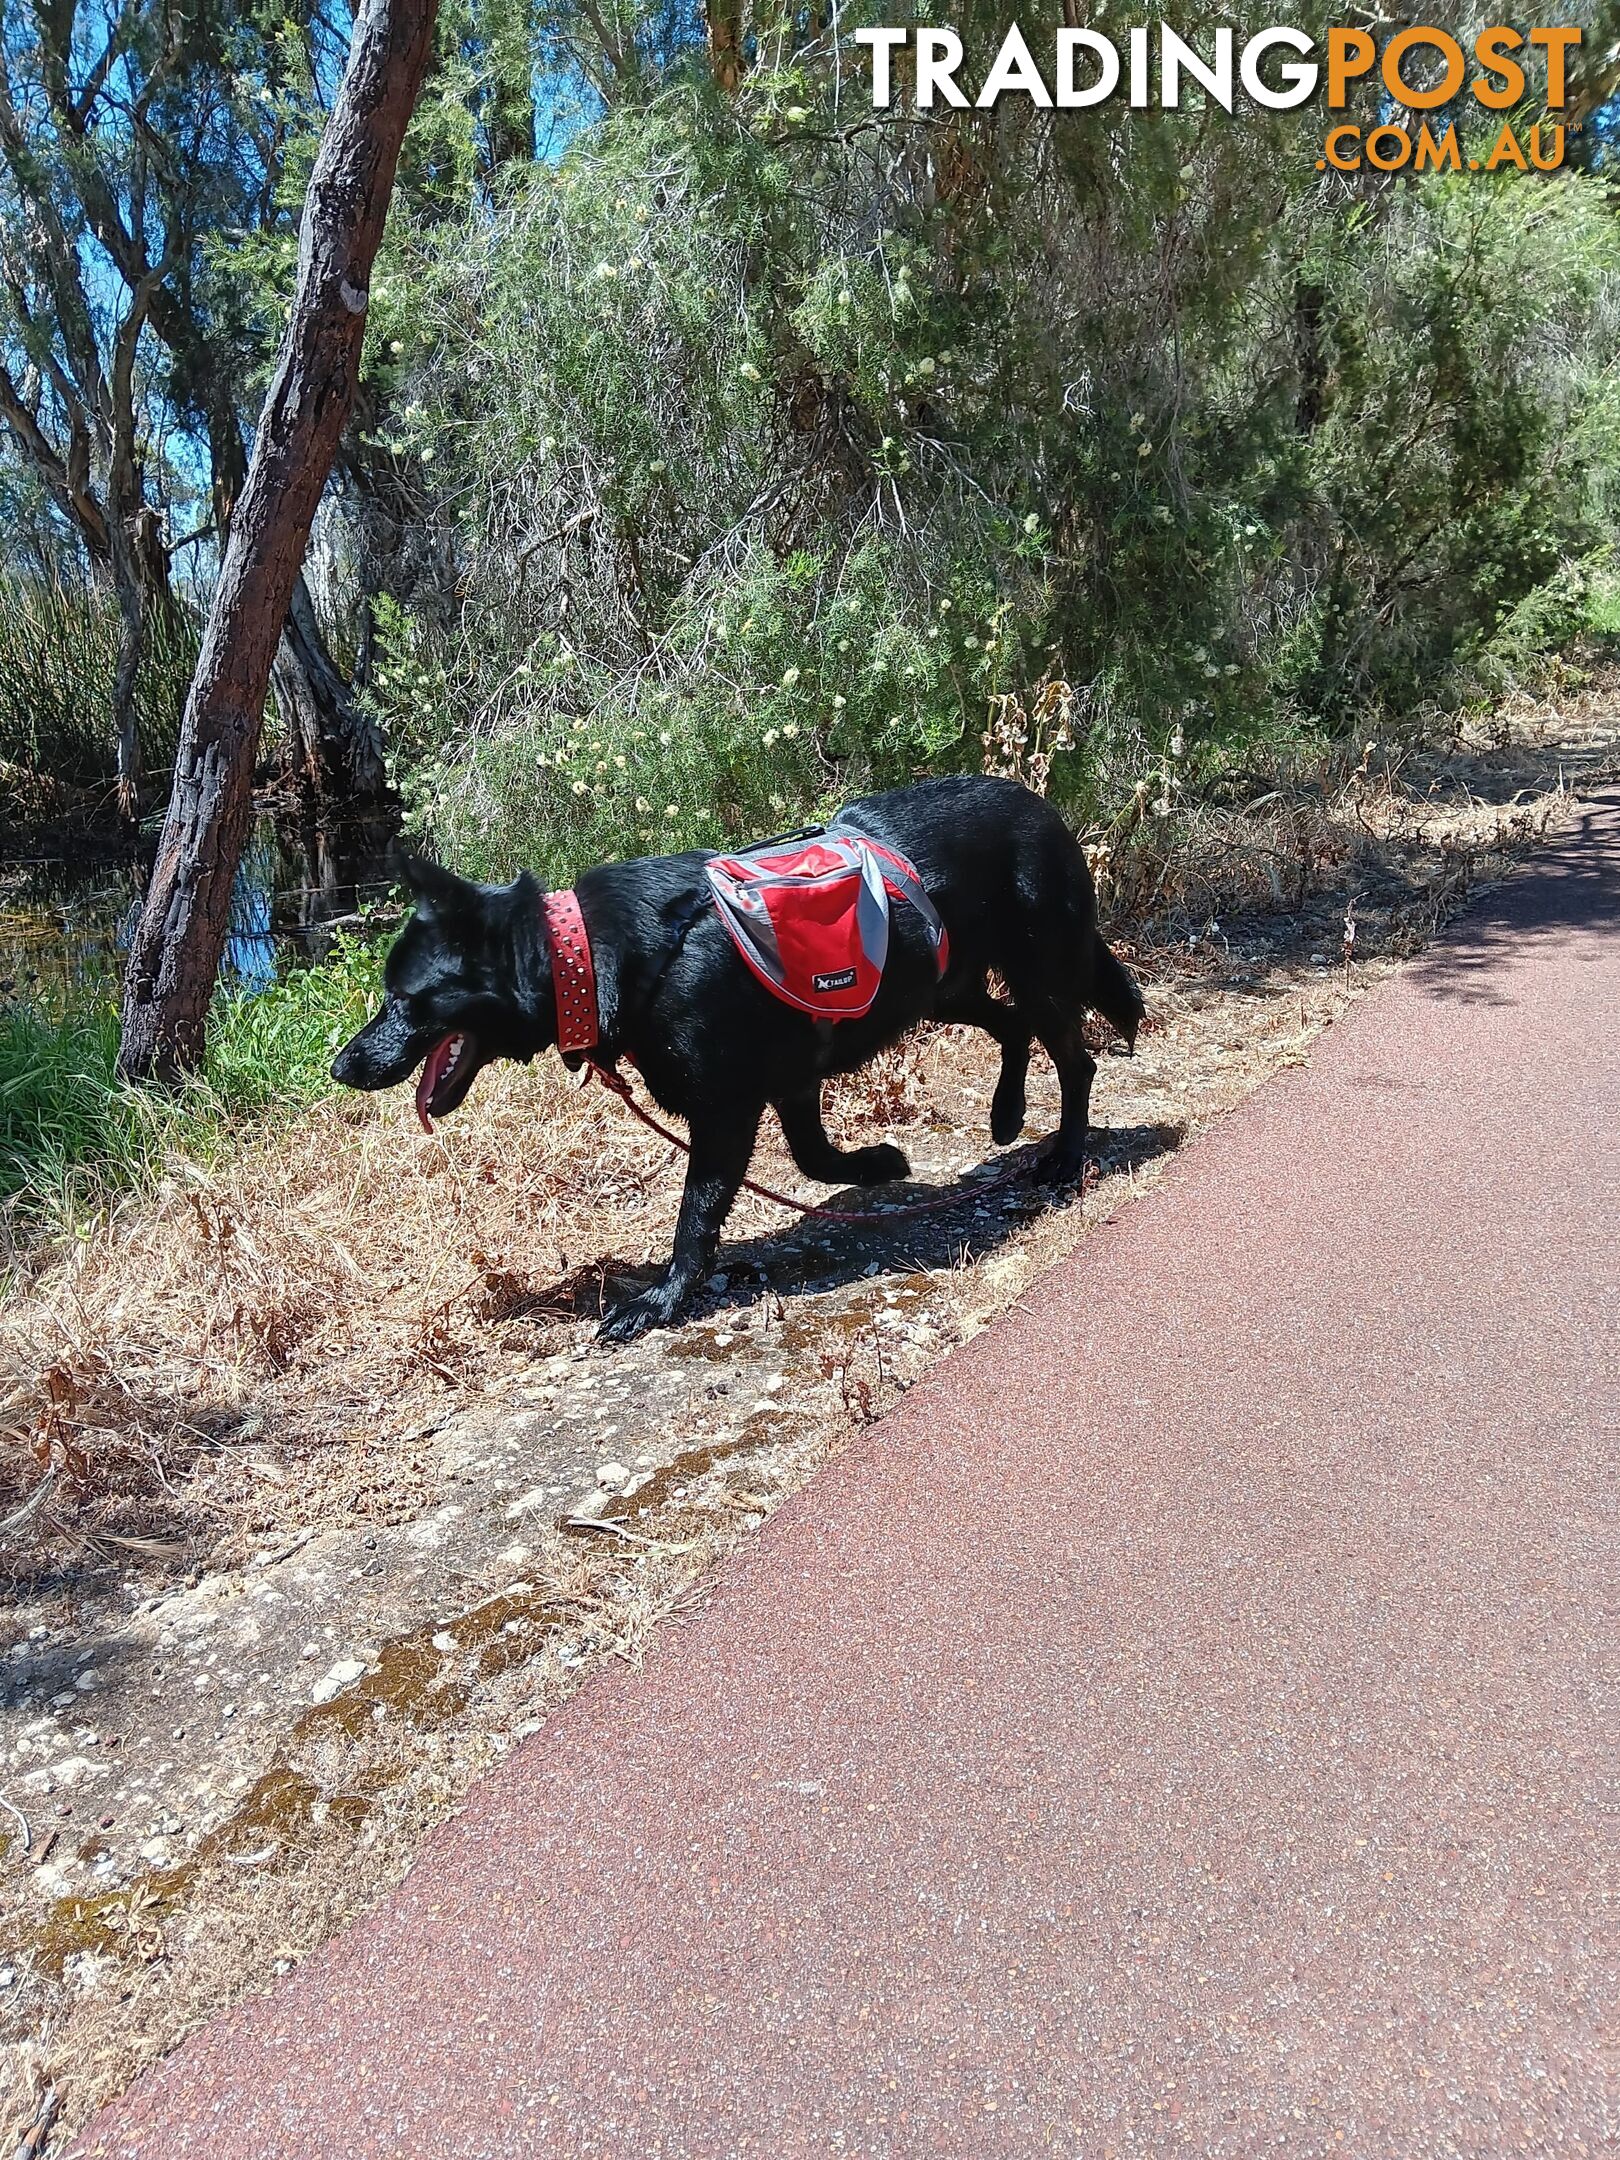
(470, 980)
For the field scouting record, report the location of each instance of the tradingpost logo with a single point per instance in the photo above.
(1410, 71)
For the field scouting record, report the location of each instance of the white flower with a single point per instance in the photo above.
(796, 113)
(789, 677)
(749, 372)
(657, 466)
(1032, 523)
(606, 270)
(790, 730)
(395, 346)
(672, 810)
(839, 703)
(580, 788)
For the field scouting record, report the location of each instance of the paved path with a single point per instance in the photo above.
(1174, 1731)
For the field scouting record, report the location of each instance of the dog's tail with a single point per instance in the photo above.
(1114, 992)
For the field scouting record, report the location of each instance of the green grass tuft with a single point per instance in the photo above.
(73, 1136)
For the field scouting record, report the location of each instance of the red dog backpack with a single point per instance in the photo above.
(810, 916)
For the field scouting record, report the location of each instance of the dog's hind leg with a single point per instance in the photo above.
(975, 1007)
(720, 1152)
(1061, 1036)
(816, 1155)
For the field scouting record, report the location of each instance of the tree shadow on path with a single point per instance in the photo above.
(1571, 889)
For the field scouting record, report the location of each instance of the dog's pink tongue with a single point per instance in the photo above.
(432, 1072)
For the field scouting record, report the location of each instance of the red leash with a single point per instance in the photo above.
(618, 1085)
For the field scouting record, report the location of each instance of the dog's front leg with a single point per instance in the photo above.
(720, 1156)
(817, 1157)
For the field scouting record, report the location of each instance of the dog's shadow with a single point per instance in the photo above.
(965, 1219)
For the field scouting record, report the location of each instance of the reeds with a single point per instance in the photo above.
(58, 656)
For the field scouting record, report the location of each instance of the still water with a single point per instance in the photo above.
(65, 926)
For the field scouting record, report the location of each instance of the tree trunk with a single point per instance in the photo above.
(725, 27)
(126, 684)
(175, 953)
(337, 752)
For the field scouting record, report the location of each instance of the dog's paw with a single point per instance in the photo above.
(877, 1165)
(1061, 1166)
(649, 1309)
(1006, 1115)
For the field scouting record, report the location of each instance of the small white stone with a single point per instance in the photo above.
(775, 1384)
(612, 1473)
(336, 1678)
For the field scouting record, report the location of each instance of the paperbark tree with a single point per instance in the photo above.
(176, 950)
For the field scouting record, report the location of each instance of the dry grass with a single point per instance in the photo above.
(253, 1355)
(323, 1291)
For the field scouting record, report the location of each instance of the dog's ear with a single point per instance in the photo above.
(437, 891)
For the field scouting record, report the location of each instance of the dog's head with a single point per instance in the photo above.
(467, 981)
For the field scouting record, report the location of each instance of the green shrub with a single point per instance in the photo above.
(750, 455)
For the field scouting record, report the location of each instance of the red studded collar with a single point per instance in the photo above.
(573, 977)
